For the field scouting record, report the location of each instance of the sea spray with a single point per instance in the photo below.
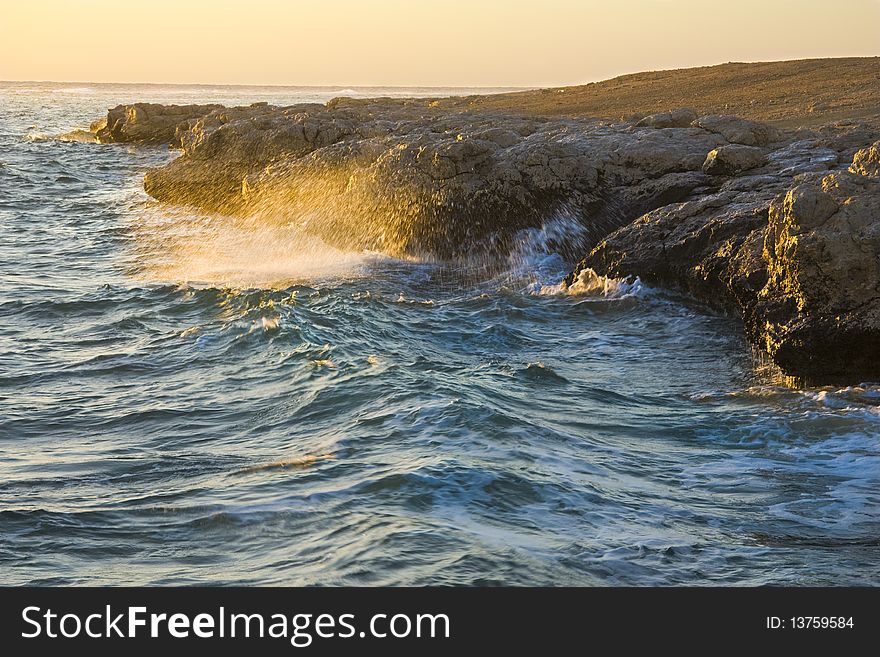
(589, 283)
(179, 245)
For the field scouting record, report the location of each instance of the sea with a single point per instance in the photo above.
(191, 399)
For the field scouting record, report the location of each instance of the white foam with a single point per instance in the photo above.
(80, 135)
(176, 245)
(35, 135)
(590, 284)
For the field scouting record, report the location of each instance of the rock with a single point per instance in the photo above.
(98, 125)
(410, 179)
(666, 150)
(733, 159)
(499, 136)
(867, 160)
(819, 314)
(146, 122)
(737, 130)
(800, 262)
(680, 118)
(690, 246)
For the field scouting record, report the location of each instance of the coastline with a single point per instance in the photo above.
(778, 221)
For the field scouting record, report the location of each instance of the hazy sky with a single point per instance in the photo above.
(414, 42)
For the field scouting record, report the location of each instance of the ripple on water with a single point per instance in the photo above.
(188, 398)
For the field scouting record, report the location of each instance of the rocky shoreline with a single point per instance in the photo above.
(780, 225)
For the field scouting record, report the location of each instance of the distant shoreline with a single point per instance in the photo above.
(277, 87)
(786, 93)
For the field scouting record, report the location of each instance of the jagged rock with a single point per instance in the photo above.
(733, 159)
(408, 178)
(98, 126)
(799, 261)
(689, 246)
(867, 161)
(819, 314)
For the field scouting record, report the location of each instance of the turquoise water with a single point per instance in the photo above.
(191, 399)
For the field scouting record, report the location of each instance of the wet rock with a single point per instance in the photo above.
(690, 246)
(819, 314)
(146, 123)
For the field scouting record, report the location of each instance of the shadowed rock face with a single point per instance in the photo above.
(781, 227)
(820, 310)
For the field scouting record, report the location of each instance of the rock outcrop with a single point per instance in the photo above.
(781, 227)
(819, 313)
(867, 161)
(738, 131)
(409, 178)
(146, 123)
(794, 248)
(733, 159)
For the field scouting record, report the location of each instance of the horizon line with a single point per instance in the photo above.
(285, 86)
(517, 87)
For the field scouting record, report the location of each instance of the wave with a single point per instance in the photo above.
(180, 246)
(862, 400)
(590, 284)
(292, 463)
(73, 90)
(539, 372)
(541, 252)
(185, 246)
(78, 135)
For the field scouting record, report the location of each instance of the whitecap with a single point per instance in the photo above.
(590, 284)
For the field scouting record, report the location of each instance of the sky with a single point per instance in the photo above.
(414, 42)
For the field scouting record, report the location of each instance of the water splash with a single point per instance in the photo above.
(542, 252)
(535, 257)
(177, 245)
(590, 284)
(79, 135)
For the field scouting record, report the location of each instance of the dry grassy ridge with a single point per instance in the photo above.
(805, 92)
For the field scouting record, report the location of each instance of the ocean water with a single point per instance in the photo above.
(188, 399)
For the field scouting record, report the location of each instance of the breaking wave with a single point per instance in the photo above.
(179, 245)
